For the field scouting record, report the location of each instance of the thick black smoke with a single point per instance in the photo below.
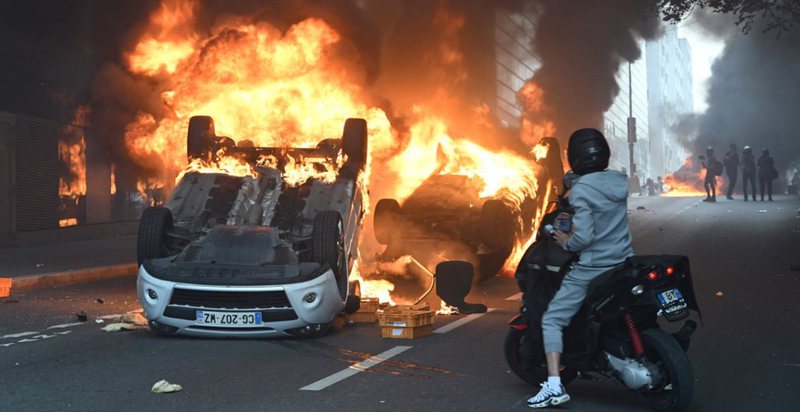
(753, 97)
(582, 45)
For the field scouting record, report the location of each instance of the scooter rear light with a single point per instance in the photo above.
(652, 275)
(670, 270)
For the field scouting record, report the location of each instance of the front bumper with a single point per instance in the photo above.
(280, 315)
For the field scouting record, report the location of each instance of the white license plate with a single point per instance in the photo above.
(668, 296)
(228, 319)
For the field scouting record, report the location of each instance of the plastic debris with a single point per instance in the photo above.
(163, 386)
(118, 327)
(128, 321)
(99, 321)
(719, 293)
(81, 316)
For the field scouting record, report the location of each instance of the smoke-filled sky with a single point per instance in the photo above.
(753, 93)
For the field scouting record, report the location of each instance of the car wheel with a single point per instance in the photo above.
(353, 302)
(151, 242)
(386, 212)
(496, 226)
(354, 142)
(200, 139)
(328, 246)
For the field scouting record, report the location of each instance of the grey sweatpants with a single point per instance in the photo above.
(565, 304)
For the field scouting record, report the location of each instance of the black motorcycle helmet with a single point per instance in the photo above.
(588, 151)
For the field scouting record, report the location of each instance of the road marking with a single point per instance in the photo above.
(18, 335)
(354, 369)
(5, 345)
(27, 340)
(463, 321)
(516, 296)
(65, 325)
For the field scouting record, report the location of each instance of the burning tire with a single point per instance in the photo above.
(386, 213)
(496, 226)
(328, 246)
(152, 239)
(200, 139)
(354, 142)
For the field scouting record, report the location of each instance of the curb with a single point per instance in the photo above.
(72, 277)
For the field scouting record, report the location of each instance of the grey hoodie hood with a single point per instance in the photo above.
(601, 233)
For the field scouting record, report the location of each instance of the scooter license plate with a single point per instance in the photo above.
(671, 300)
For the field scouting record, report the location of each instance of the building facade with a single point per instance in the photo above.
(669, 81)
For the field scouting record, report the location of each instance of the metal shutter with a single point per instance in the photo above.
(36, 173)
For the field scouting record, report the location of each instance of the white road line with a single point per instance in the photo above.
(463, 321)
(65, 325)
(516, 296)
(5, 345)
(18, 335)
(354, 369)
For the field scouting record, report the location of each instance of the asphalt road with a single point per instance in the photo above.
(746, 355)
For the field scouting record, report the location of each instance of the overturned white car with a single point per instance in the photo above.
(255, 256)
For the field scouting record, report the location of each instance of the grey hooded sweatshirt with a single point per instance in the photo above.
(600, 225)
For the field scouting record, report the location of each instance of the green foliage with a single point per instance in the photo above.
(779, 15)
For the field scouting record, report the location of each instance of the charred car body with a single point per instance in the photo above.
(255, 255)
(446, 219)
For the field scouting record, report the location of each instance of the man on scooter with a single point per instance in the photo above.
(599, 233)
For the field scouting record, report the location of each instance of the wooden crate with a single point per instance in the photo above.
(406, 316)
(406, 332)
(5, 287)
(369, 305)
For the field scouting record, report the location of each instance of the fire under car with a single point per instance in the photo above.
(255, 256)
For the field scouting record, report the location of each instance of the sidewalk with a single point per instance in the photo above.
(68, 262)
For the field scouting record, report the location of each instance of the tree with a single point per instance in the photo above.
(780, 15)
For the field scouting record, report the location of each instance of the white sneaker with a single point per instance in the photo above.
(548, 396)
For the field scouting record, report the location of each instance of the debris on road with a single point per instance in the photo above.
(99, 321)
(719, 293)
(641, 208)
(38, 265)
(128, 321)
(163, 386)
(117, 327)
(81, 316)
(99, 300)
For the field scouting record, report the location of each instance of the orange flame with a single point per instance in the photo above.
(688, 181)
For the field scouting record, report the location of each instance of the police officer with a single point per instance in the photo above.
(731, 163)
(766, 173)
(710, 182)
(748, 171)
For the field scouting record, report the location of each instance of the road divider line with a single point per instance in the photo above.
(516, 296)
(463, 321)
(65, 325)
(18, 335)
(354, 369)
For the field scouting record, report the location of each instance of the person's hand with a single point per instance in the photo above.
(561, 238)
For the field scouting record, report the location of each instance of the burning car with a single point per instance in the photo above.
(258, 255)
(446, 218)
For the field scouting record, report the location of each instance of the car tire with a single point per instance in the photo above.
(385, 220)
(353, 302)
(327, 246)
(151, 242)
(497, 225)
(354, 142)
(200, 139)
